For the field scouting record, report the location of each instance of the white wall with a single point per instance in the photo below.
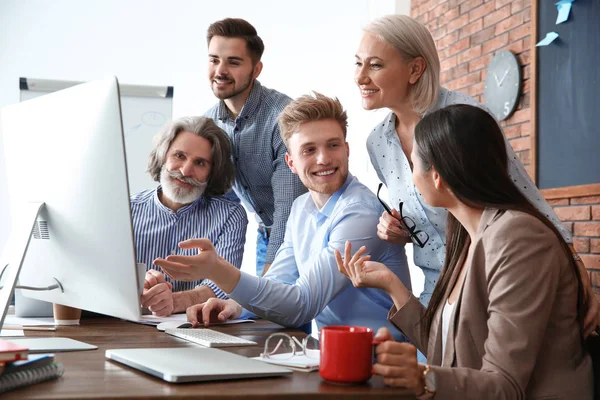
(310, 45)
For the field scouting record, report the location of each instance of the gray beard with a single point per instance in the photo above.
(178, 194)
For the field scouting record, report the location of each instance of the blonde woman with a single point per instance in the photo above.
(397, 67)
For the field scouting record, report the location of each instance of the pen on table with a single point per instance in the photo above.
(28, 328)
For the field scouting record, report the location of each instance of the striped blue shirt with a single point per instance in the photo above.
(263, 181)
(158, 230)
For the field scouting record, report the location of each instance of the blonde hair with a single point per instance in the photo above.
(412, 40)
(310, 107)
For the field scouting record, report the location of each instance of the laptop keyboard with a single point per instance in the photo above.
(209, 338)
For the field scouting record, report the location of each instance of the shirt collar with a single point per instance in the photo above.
(188, 207)
(327, 209)
(250, 106)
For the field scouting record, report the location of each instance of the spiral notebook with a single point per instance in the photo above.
(36, 369)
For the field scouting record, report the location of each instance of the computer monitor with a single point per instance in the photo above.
(65, 156)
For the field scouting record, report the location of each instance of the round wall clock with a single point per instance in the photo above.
(502, 84)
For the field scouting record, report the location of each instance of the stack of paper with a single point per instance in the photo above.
(298, 362)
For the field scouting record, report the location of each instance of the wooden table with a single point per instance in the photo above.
(88, 375)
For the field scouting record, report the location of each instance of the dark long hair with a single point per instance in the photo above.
(466, 147)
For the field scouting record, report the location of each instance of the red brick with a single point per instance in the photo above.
(469, 55)
(501, 3)
(448, 63)
(587, 228)
(586, 200)
(596, 212)
(568, 226)
(529, 170)
(447, 40)
(581, 245)
(509, 23)
(520, 32)
(524, 101)
(457, 23)
(460, 46)
(524, 57)
(439, 33)
(471, 28)
(558, 202)
(440, 10)
(468, 80)
(526, 72)
(496, 16)
(525, 128)
(512, 132)
(482, 36)
(591, 261)
(495, 44)
(519, 5)
(524, 157)
(482, 10)
(469, 5)
(476, 89)
(526, 86)
(521, 143)
(516, 48)
(479, 63)
(573, 213)
(520, 116)
(594, 245)
(595, 278)
(448, 16)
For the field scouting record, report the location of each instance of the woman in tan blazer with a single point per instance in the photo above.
(505, 318)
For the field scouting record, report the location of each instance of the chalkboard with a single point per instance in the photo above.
(568, 96)
(144, 110)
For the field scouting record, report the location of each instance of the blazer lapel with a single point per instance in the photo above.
(449, 356)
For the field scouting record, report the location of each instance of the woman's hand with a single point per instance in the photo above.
(391, 229)
(361, 271)
(397, 363)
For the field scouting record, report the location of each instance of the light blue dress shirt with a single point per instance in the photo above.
(304, 283)
(393, 169)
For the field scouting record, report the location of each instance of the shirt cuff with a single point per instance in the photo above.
(246, 289)
(219, 294)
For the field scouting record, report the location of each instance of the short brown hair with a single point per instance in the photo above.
(238, 28)
(222, 172)
(310, 107)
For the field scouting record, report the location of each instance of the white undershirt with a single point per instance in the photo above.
(446, 314)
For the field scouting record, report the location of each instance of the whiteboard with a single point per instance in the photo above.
(144, 110)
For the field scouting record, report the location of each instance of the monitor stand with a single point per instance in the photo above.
(20, 239)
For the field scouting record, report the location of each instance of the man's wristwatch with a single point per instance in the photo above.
(429, 383)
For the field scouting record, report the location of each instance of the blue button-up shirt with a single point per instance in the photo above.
(304, 282)
(393, 169)
(263, 181)
(158, 230)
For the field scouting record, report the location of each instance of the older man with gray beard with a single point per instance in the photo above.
(191, 160)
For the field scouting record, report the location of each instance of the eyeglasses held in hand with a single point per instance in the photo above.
(418, 237)
(281, 346)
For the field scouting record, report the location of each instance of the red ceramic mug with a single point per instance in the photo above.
(346, 353)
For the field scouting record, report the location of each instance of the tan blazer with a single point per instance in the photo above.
(513, 333)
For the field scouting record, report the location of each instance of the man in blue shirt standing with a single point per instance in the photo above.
(304, 282)
(248, 112)
(192, 162)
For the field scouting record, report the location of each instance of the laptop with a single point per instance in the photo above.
(185, 364)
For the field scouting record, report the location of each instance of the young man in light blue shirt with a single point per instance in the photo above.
(304, 282)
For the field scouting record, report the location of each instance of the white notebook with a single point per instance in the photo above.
(197, 364)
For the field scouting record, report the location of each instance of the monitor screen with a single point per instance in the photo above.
(66, 150)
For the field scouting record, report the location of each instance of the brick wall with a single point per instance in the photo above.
(468, 33)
